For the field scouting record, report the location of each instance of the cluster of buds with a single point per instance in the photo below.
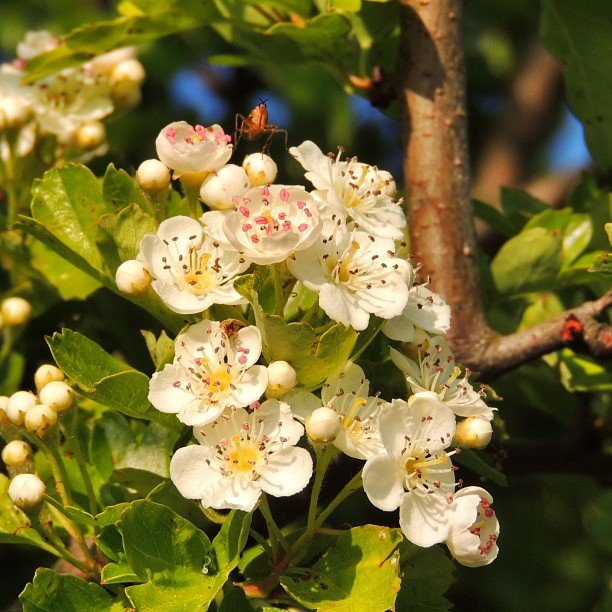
(38, 414)
(67, 107)
(14, 312)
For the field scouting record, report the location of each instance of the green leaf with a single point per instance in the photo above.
(528, 262)
(519, 206)
(118, 573)
(577, 32)
(359, 573)
(161, 349)
(602, 264)
(426, 574)
(473, 461)
(104, 378)
(121, 190)
(231, 539)
(11, 373)
(68, 202)
(52, 591)
(15, 526)
(74, 513)
(581, 372)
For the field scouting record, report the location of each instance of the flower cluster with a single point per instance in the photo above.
(339, 242)
(67, 107)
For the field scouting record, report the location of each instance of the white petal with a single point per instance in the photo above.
(251, 387)
(288, 472)
(383, 482)
(399, 328)
(190, 472)
(425, 520)
(163, 393)
(233, 493)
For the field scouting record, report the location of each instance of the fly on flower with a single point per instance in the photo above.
(255, 124)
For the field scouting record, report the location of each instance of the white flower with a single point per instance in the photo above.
(415, 474)
(473, 537)
(363, 193)
(34, 43)
(425, 310)
(191, 270)
(272, 221)
(437, 371)
(212, 370)
(346, 393)
(185, 148)
(221, 190)
(355, 274)
(242, 454)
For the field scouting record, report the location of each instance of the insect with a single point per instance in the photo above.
(256, 124)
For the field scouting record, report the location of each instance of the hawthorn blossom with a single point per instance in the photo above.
(212, 370)
(241, 454)
(415, 474)
(435, 370)
(362, 192)
(473, 538)
(355, 274)
(191, 270)
(185, 148)
(425, 310)
(346, 393)
(272, 221)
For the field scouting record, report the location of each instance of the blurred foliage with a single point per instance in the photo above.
(554, 541)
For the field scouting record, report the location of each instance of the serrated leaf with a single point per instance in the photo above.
(577, 33)
(360, 572)
(104, 378)
(426, 574)
(15, 526)
(52, 591)
(120, 190)
(528, 262)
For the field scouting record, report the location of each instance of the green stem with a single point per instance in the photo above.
(279, 296)
(58, 469)
(261, 541)
(72, 435)
(350, 487)
(213, 516)
(368, 336)
(276, 536)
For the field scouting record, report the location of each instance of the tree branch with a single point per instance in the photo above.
(431, 78)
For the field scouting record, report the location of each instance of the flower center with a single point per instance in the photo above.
(344, 270)
(242, 455)
(197, 278)
(219, 381)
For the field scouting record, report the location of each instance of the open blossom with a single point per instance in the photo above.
(185, 148)
(346, 393)
(363, 193)
(272, 221)
(242, 454)
(473, 537)
(355, 274)
(435, 370)
(212, 370)
(191, 270)
(425, 310)
(415, 474)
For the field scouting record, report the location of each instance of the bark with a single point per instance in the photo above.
(431, 81)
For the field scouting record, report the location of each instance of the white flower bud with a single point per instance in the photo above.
(128, 70)
(153, 175)
(126, 94)
(26, 491)
(47, 373)
(39, 419)
(18, 405)
(14, 113)
(132, 278)
(58, 395)
(281, 378)
(260, 168)
(90, 135)
(323, 425)
(222, 189)
(104, 63)
(473, 432)
(15, 311)
(16, 454)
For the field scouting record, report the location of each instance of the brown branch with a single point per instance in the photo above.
(432, 93)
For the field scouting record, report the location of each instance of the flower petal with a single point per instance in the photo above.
(288, 472)
(383, 482)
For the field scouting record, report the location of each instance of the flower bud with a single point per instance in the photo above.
(473, 432)
(132, 278)
(281, 378)
(14, 113)
(90, 135)
(15, 311)
(103, 64)
(40, 419)
(323, 425)
(128, 70)
(58, 395)
(126, 94)
(16, 453)
(260, 168)
(47, 373)
(26, 491)
(221, 190)
(18, 405)
(153, 175)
